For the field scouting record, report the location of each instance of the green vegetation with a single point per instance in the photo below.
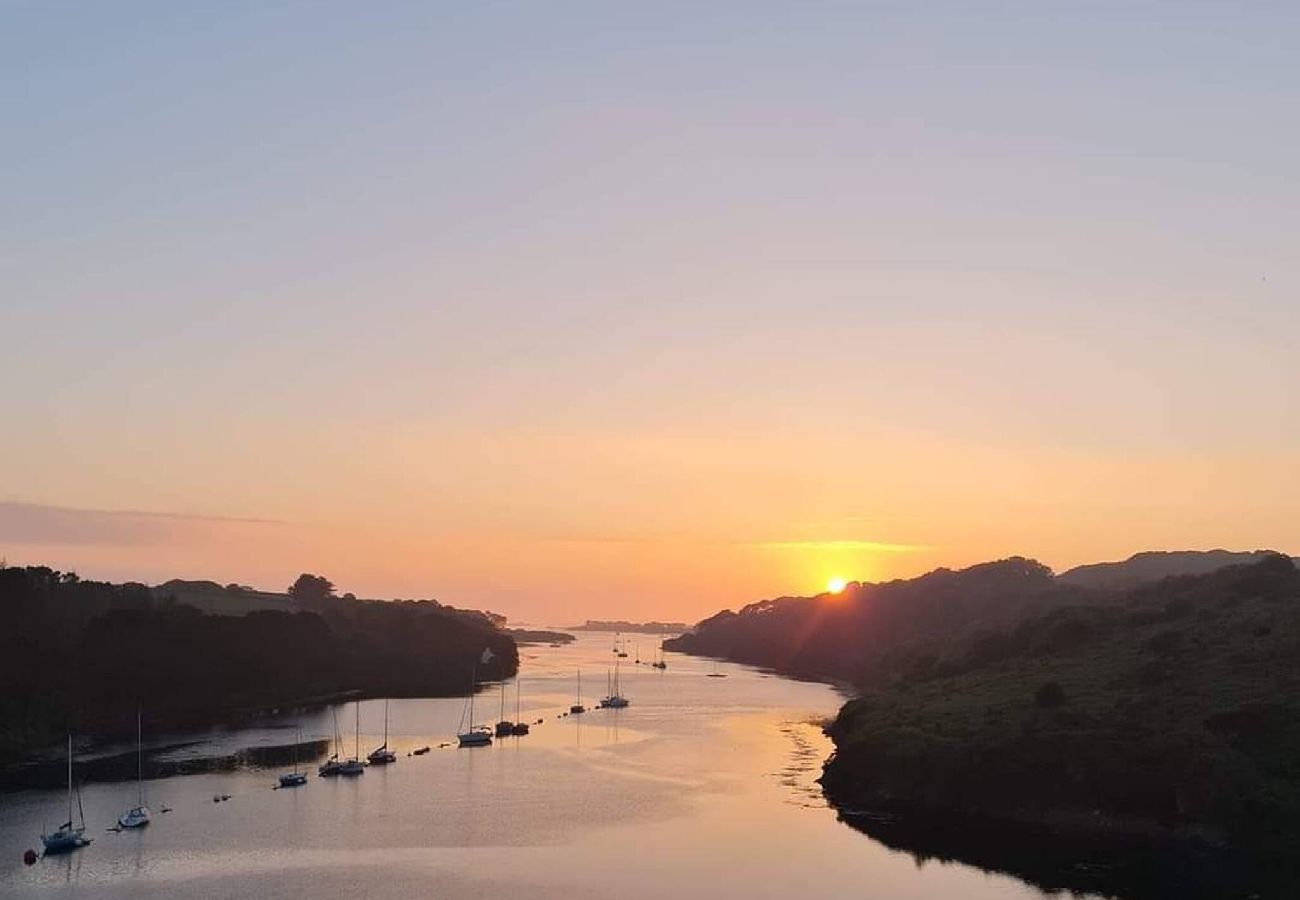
(1171, 712)
(80, 655)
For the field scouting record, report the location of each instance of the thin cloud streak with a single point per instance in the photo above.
(872, 546)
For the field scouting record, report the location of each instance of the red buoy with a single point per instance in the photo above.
(30, 857)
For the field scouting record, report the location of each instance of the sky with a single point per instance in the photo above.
(574, 310)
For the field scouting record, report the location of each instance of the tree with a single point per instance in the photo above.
(312, 590)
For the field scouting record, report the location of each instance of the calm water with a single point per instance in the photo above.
(703, 787)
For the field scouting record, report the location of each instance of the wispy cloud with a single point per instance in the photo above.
(871, 546)
(39, 524)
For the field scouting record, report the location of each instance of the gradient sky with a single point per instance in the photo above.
(642, 310)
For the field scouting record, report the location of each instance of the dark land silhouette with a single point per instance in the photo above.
(1142, 740)
(631, 627)
(81, 655)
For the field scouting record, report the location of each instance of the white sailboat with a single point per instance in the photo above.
(354, 765)
(381, 755)
(615, 698)
(137, 816)
(504, 725)
(333, 765)
(67, 837)
(469, 734)
(520, 726)
(295, 778)
(577, 708)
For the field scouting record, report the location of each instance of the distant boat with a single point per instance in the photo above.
(504, 725)
(67, 838)
(420, 751)
(137, 816)
(354, 765)
(615, 699)
(577, 708)
(659, 663)
(520, 727)
(474, 735)
(381, 755)
(715, 673)
(295, 778)
(333, 766)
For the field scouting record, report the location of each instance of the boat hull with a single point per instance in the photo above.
(136, 818)
(474, 739)
(63, 842)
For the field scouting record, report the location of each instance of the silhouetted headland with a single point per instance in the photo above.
(632, 627)
(81, 655)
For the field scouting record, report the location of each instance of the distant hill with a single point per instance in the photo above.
(1154, 565)
(1157, 736)
(871, 631)
(632, 627)
(230, 600)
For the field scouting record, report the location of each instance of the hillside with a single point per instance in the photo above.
(872, 631)
(1154, 565)
(1169, 720)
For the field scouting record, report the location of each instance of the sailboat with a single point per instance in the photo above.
(659, 663)
(138, 816)
(504, 725)
(332, 766)
(474, 735)
(354, 765)
(381, 755)
(715, 673)
(294, 778)
(68, 838)
(615, 700)
(520, 727)
(577, 708)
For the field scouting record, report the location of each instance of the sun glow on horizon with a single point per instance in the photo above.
(835, 585)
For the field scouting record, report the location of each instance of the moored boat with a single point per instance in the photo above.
(67, 837)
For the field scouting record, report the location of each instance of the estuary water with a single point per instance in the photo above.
(703, 787)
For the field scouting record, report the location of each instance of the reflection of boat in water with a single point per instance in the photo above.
(68, 837)
(469, 734)
(577, 708)
(137, 816)
(381, 755)
(615, 698)
(294, 778)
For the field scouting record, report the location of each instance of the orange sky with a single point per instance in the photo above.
(642, 311)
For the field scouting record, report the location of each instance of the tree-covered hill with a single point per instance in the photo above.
(1171, 715)
(80, 655)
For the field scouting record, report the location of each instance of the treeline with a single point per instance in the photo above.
(81, 655)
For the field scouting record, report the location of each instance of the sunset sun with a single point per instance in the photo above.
(835, 585)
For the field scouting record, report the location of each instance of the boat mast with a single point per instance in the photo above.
(385, 723)
(516, 699)
(357, 753)
(139, 759)
(69, 779)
